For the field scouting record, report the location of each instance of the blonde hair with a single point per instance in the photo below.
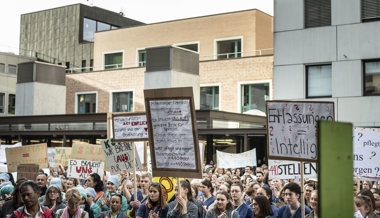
(73, 194)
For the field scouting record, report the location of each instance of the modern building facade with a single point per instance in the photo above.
(327, 50)
(65, 35)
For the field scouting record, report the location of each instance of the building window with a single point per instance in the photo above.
(192, 46)
(317, 13)
(210, 98)
(86, 103)
(318, 81)
(253, 98)
(2, 68)
(100, 26)
(142, 58)
(91, 26)
(83, 65)
(2, 103)
(370, 10)
(11, 103)
(372, 77)
(91, 64)
(122, 101)
(229, 49)
(12, 69)
(113, 60)
(67, 65)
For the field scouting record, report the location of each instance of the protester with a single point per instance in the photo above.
(366, 185)
(207, 190)
(94, 181)
(112, 185)
(308, 188)
(223, 207)
(368, 193)
(91, 194)
(72, 209)
(363, 207)
(30, 192)
(183, 206)
(199, 203)
(236, 194)
(261, 207)
(53, 199)
(42, 183)
(71, 183)
(115, 206)
(83, 202)
(14, 202)
(142, 194)
(376, 195)
(292, 193)
(155, 206)
(4, 177)
(313, 205)
(267, 192)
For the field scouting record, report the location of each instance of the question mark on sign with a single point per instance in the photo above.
(373, 154)
(360, 135)
(377, 170)
(271, 131)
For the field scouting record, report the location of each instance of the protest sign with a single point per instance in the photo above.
(30, 154)
(284, 169)
(62, 156)
(366, 152)
(141, 148)
(83, 168)
(87, 152)
(292, 128)
(167, 184)
(119, 156)
(3, 157)
(172, 132)
(129, 127)
(28, 171)
(228, 160)
(51, 157)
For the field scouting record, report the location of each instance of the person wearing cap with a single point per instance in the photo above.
(6, 193)
(15, 201)
(53, 198)
(91, 195)
(4, 177)
(83, 203)
(112, 186)
(54, 182)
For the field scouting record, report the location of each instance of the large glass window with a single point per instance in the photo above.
(229, 49)
(372, 77)
(2, 103)
(317, 13)
(12, 69)
(253, 98)
(210, 98)
(370, 10)
(11, 103)
(86, 103)
(318, 81)
(113, 60)
(142, 58)
(122, 101)
(2, 68)
(89, 28)
(102, 26)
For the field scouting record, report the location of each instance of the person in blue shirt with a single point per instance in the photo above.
(262, 207)
(142, 194)
(292, 209)
(155, 206)
(207, 189)
(267, 192)
(239, 206)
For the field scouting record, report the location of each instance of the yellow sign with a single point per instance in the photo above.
(62, 156)
(167, 184)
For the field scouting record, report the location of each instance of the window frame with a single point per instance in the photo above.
(239, 87)
(304, 15)
(228, 39)
(364, 74)
(112, 27)
(9, 105)
(112, 52)
(138, 57)
(3, 94)
(219, 85)
(364, 20)
(3, 64)
(84, 93)
(307, 80)
(9, 67)
(189, 43)
(111, 92)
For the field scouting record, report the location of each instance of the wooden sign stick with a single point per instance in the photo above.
(134, 169)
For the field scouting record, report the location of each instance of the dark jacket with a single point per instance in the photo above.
(192, 210)
(19, 213)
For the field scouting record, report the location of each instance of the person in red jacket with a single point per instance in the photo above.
(30, 192)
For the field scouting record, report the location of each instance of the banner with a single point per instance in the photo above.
(30, 154)
(130, 127)
(28, 171)
(366, 152)
(292, 128)
(168, 184)
(119, 156)
(284, 169)
(228, 160)
(62, 156)
(87, 152)
(83, 168)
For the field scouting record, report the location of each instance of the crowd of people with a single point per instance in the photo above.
(221, 193)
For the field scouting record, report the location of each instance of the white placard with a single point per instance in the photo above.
(366, 152)
(119, 156)
(228, 160)
(140, 148)
(173, 134)
(51, 157)
(292, 128)
(3, 157)
(83, 168)
(131, 127)
(284, 169)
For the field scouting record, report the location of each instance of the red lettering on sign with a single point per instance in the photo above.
(83, 169)
(122, 158)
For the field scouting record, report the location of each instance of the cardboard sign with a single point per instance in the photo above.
(87, 152)
(28, 171)
(366, 152)
(62, 156)
(172, 131)
(3, 156)
(51, 157)
(129, 127)
(228, 160)
(119, 156)
(30, 154)
(168, 184)
(283, 169)
(83, 168)
(292, 128)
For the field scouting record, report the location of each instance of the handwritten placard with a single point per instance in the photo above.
(119, 156)
(83, 168)
(3, 156)
(366, 152)
(28, 171)
(229, 160)
(130, 127)
(284, 169)
(292, 128)
(30, 154)
(62, 155)
(87, 152)
(51, 157)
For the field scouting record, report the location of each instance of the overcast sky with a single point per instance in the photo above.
(147, 11)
